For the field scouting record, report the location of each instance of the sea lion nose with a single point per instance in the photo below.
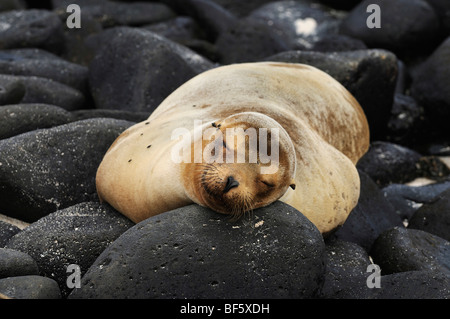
(231, 183)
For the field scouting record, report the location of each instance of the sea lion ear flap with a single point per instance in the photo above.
(292, 184)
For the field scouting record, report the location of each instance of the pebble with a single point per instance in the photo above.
(7, 230)
(264, 255)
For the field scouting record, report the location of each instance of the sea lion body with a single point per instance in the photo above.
(326, 127)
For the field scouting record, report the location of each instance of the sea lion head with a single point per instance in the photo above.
(248, 162)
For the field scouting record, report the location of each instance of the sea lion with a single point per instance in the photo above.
(319, 128)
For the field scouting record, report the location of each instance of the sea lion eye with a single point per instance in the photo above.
(268, 184)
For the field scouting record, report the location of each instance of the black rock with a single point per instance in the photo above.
(21, 118)
(49, 169)
(193, 252)
(372, 215)
(408, 199)
(431, 81)
(404, 23)
(180, 29)
(241, 8)
(406, 122)
(29, 287)
(299, 24)
(401, 249)
(442, 9)
(114, 114)
(337, 43)
(16, 263)
(434, 217)
(147, 68)
(12, 90)
(370, 75)
(56, 69)
(7, 230)
(212, 17)
(110, 13)
(7, 5)
(346, 271)
(423, 284)
(40, 90)
(248, 40)
(388, 163)
(43, 30)
(75, 235)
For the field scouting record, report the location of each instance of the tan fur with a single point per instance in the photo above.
(325, 123)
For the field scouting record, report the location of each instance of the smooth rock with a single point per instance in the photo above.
(193, 252)
(406, 199)
(29, 287)
(7, 230)
(12, 90)
(431, 81)
(434, 217)
(299, 24)
(56, 69)
(248, 40)
(404, 23)
(50, 169)
(372, 215)
(21, 118)
(41, 90)
(388, 163)
(370, 75)
(147, 68)
(346, 271)
(406, 123)
(400, 249)
(15, 263)
(75, 235)
(43, 30)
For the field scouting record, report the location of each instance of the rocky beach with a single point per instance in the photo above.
(67, 92)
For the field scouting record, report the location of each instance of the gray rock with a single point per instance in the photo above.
(400, 249)
(75, 235)
(21, 118)
(431, 81)
(404, 23)
(388, 163)
(7, 230)
(193, 252)
(406, 200)
(147, 68)
(43, 30)
(346, 271)
(49, 169)
(12, 90)
(370, 75)
(372, 215)
(56, 69)
(299, 24)
(434, 217)
(248, 40)
(114, 114)
(29, 287)
(423, 284)
(16, 263)
(41, 90)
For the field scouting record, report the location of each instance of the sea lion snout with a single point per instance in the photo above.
(231, 183)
